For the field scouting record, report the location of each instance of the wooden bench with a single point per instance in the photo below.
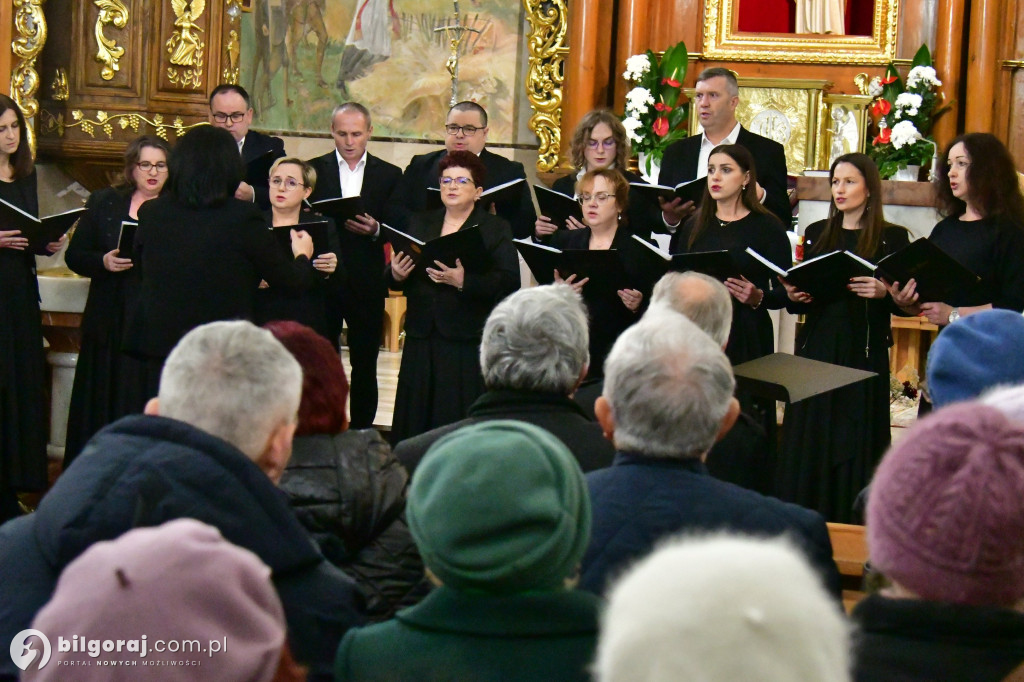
(850, 552)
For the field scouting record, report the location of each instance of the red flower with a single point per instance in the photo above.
(658, 106)
(889, 79)
(660, 126)
(881, 107)
(670, 82)
(883, 136)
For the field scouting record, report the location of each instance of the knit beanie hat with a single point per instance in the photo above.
(500, 507)
(722, 608)
(975, 353)
(178, 581)
(945, 514)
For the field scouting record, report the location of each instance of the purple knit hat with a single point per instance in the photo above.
(945, 515)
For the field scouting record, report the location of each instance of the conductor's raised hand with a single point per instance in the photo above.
(401, 266)
(302, 244)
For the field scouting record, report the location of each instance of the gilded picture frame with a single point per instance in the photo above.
(722, 40)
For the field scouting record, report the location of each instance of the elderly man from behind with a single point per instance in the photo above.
(211, 447)
(668, 396)
(533, 356)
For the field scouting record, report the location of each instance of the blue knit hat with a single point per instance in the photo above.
(974, 354)
(500, 507)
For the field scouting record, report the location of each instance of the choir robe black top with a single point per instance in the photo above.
(440, 373)
(752, 334)
(199, 265)
(643, 215)
(22, 362)
(831, 443)
(410, 195)
(259, 152)
(95, 400)
(309, 306)
(993, 249)
(608, 315)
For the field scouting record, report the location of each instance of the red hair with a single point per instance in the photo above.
(324, 384)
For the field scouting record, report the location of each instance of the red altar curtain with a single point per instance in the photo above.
(766, 16)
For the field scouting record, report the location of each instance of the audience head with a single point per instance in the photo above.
(466, 128)
(149, 151)
(536, 340)
(945, 513)
(717, 96)
(668, 389)
(608, 211)
(984, 175)
(15, 146)
(1007, 399)
(855, 182)
(237, 382)
(351, 127)
(324, 384)
(599, 141)
(205, 167)
(231, 109)
(722, 608)
(977, 352)
(177, 581)
(500, 507)
(702, 299)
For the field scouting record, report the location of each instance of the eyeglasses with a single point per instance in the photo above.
(460, 181)
(607, 143)
(223, 118)
(288, 183)
(468, 131)
(600, 197)
(146, 166)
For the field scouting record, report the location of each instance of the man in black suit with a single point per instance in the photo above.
(668, 397)
(465, 129)
(346, 172)
(231, 109)
(717, 96)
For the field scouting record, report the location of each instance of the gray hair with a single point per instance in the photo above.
(702, 299)
(1007, 399)
(669, 387)
(536, 340)
(732, 86)
(356, 107)
(232, 380)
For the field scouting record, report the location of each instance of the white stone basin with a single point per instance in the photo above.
(61, 291)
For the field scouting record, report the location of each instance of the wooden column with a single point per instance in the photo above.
(587, 65)
(982, 64)
(948, 61)
(633, 38)
(6, 35)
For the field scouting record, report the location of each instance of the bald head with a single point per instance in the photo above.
(703, 300)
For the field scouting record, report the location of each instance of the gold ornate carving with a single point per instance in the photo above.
(59, 90)
(546, 42)
(184, 46)
(863, 83)
(108, 52)
(723, 42)
(230, 74)
(30, 26)
(105, 122)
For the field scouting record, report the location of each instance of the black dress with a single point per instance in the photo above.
(992, 248)
(440, 373)
(95, 397)
(607, 314)
(831, 443)
(307, 307)
(22, 363)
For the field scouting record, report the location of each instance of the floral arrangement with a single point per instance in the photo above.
(904, 114)
(653, 116)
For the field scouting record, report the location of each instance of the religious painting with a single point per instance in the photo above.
(397, 57)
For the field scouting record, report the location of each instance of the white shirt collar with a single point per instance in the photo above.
(729, 139)
(342, 163)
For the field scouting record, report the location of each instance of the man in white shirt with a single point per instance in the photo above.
(350, 171)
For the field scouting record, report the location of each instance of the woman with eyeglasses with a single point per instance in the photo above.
(200, 253)
(93, 253)
(292, 180)
(448, 303)
(600, 141)
(604, 195)
(22, 362)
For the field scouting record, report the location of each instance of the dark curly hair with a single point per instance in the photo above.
(992, 185)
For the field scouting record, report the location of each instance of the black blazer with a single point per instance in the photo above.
(202, 265)
(258, 154)
(459, 315)
(362, 255)
(410, 195)
(96, 234)
(680, 163)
